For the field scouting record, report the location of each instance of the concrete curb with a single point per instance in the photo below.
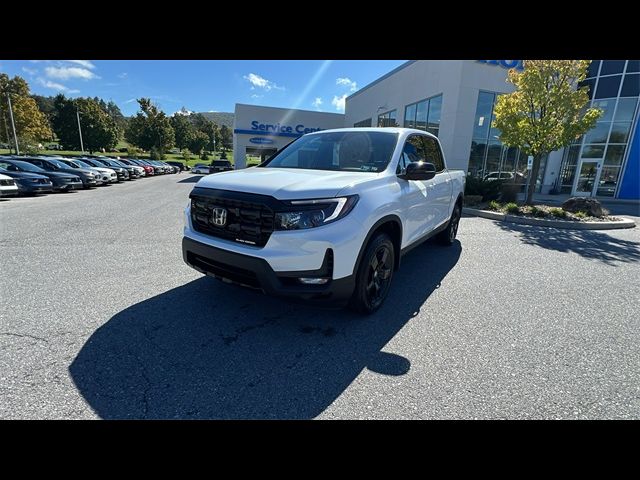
(540, 222)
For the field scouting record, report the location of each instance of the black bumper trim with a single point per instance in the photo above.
(255, 272)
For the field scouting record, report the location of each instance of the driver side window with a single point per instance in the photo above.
(413, 151)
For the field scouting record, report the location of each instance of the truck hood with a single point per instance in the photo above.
(285, 183)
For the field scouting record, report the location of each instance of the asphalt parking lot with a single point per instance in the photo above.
(101, 318)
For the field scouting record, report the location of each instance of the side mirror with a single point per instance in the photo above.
(419, 171)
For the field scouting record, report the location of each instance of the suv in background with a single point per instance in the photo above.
(179, 165)
(220, 166)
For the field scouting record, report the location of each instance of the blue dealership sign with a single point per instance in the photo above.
(508, 64)
(261, 141)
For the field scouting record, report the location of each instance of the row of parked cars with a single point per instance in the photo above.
(28, 175)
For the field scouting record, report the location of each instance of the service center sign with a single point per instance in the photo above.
(261, 140)
(299, 129)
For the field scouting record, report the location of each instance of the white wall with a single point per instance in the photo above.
(459, 82)
(286, 118)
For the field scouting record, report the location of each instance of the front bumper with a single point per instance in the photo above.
(34, 187)
(8, 191)
(256, 273)
(64, 187)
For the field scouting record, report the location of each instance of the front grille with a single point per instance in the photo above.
(6, 182)
(42, 180)
(224, 270)
(250, 217)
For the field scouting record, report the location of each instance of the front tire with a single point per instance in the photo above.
(448, 235)
(374, 275)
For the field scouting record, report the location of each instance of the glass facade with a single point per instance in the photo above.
(388, 119)
(363, 123)
(424, 115)
(614, 87)
(488, 157)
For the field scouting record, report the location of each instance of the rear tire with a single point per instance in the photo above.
(374, 275)
(448, 235)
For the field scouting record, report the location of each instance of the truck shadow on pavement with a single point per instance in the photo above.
(193, 179)
(211, 350)
(592, 244)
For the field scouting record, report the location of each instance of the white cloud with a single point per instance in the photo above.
(123, 75)
(347, 82)
(65, 73)
(255, 95)
(131, 100)
(184, 112)
(260, 82)
(83, 63)
(55, 86)
(30, 71)
(317, 102)
(338, 102)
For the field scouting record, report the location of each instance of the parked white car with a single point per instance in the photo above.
(200, 169)
(104, 175)
(8, 187)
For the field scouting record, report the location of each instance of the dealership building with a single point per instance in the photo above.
(454, 99)
(261, 131)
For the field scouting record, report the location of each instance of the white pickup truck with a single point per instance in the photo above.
(328, 217)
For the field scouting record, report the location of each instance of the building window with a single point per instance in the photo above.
(424, 115)
(617, 95)
(388, 119)
(610, 67)
(363, 123)
(488, 157)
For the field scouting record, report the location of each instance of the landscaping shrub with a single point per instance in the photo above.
(489, 190)
(537, 212)
(509, 192)
(581, 214)
(495, 206)
(186, 154)
(157, 154)
(512, 208)
(134, 152)
(558, 213)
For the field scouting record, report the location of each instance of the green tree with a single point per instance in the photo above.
(546, 112)
(116, 114)
(32, 126)
(183, 129)
(209, 128)
(99, 130)
(226, 139)
(150, 129)
(197, 142)
(45, 104)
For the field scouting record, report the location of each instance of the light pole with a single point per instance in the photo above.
(79, 129)
(6, 130)
(13, 124)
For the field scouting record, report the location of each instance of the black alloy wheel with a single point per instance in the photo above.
(374, 275)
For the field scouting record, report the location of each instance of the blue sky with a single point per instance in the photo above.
(203, 85)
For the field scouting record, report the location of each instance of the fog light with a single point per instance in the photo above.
(313, 281)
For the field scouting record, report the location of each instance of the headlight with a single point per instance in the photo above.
(314, 213)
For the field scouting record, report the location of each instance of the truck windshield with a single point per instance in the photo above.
(354, 151)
